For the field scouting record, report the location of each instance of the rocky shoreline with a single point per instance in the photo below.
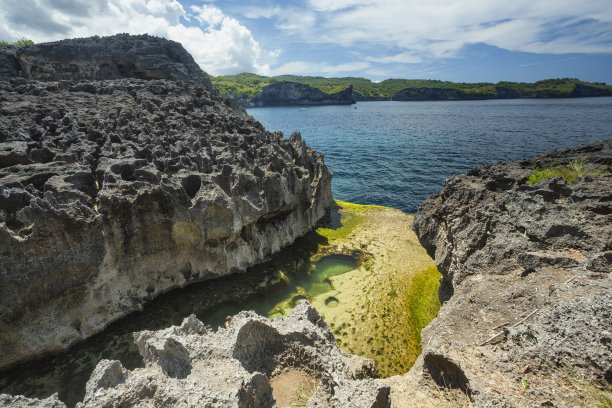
(114, 191)
(294, 94)
(527, 287)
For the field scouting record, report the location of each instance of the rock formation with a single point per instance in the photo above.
(118, 56)
(112, 192)
(293, 93)
(501, 92)
(192, 366)
(526, 282)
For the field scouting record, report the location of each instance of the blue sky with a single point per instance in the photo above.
(468, 40)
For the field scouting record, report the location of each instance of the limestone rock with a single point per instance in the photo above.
(293, 93)
(19, 401)
(233, 367)
(527, 283)
(112, 192)
(114, 57)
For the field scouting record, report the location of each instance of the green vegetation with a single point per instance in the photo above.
(423, 304)
(570, 172)
(251, 84)
(22, 42)
(350, 219)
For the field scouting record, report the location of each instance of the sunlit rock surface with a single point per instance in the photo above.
(112, 192)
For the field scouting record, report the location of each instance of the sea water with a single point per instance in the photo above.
(397, 153)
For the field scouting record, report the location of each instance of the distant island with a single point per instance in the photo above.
(253, 90)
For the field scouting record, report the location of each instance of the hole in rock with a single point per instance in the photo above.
(192, 185)
(446, 373)
(293, 388)
(331, 302)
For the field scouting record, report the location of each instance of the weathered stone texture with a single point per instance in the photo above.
(112, 192)
(526, 282)
(114, 57)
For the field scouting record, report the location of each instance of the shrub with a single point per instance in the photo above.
(22, 42)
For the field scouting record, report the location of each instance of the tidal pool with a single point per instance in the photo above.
(363, 270)
(271, 289)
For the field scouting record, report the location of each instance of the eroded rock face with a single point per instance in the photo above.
(192, 366)
(526, 282)
(118, 56)
(112, 192)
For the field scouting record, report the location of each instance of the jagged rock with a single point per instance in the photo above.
(490, 216)
(233, 367)
(112, 192)
(19, 401)
(114, 57)
(294, 93)
(526, 283)
(107, 374)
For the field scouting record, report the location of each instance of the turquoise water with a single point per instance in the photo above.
(397, 153)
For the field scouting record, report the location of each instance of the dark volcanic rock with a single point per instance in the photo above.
(118, 56)
(9, 64)
(527, 280)
(490, 216)
(293, 93)
(112, 192)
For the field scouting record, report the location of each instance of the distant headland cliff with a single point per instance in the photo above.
(253, 90)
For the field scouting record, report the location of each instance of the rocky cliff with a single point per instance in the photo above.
(112, 192)
(293, 93)
(499, 92)
(527, 284)
(118, 56)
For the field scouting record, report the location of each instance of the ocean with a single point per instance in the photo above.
(396, 154)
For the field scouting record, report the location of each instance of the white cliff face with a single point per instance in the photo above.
(112, 192)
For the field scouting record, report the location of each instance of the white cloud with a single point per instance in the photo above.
(208, 15)
(219, 44)
(440, 28)
(313, 68)
(261, 12)
(407, 57)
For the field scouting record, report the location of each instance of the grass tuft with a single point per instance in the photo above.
(575, 169)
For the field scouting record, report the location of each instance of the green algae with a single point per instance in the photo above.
(373, 308)
(424, 304)
(351, 215)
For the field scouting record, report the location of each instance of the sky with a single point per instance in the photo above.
(463, 41)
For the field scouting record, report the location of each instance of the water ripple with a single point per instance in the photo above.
(397, 153)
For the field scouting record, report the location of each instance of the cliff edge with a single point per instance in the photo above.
(112, 192)
(292, 93)
(526, 285)
(99, 58)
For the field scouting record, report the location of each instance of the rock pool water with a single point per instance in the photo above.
(271, 289)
